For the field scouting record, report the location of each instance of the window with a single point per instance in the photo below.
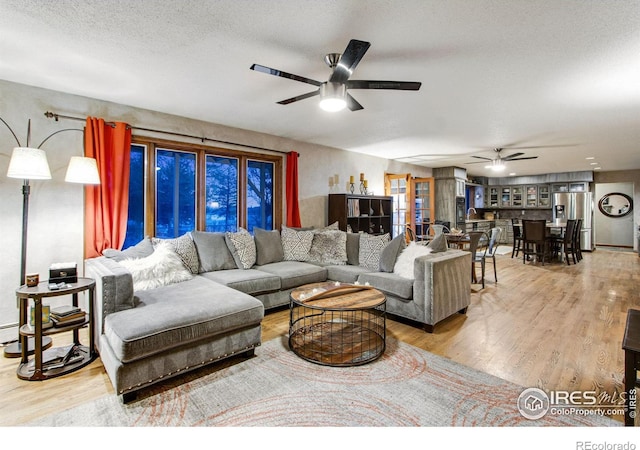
(259, 195)
(135, 218)
(194, 187)
(221, 194)
(175, 193)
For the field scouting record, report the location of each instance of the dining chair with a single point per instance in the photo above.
(565, 243)
(534, 240)
(577, 247)
(478, 244)
(516, 225)
(494, 242)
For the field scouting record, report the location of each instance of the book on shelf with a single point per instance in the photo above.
(67, 321)
(65, 310)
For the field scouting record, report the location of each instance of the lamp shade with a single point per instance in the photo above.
(82, 170)
(29, 164)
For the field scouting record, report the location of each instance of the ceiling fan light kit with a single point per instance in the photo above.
(333, 93)
(333, 96)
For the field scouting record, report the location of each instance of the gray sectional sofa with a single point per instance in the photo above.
(168, 306)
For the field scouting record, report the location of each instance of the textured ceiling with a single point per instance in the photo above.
(563, 74)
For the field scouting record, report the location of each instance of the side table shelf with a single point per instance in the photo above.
(31, 369)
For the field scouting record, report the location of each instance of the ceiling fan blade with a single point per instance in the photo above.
(349, 60)
(299, 97)
(520, 159)
(353, 104)
(371, 84)
(280, 73)
(515, 155)
(478, 162)
(482, 157)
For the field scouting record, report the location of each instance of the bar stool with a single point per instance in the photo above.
(517, 237)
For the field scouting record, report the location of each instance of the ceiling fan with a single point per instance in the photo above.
(333, 93)
(497, 163)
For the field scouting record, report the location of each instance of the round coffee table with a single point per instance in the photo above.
(337, 324)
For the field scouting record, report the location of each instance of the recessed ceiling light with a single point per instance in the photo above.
(512, 174)
(596, 168)
(594, 164)
(590, 157)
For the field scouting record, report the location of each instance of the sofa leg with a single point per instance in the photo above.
(249, 353)
(128, 397)
(463, 310)
(428, 328)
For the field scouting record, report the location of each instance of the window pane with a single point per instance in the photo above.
(135, 220)
(221, 194)
(175, 193)
(259, 195)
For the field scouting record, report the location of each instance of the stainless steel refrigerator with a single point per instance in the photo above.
(576, 205)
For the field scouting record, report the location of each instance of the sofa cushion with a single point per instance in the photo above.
(161, 321)
(160, 268)
(268, 246)
(345, 274)
(185, 248)
(296, 244)
(140, 250)
(293, 274)
(353, 249)
(249, 281)
(390, 253)
(329, 246)
(242, 247)
(389, 283)
(370, 248)
(213, 252)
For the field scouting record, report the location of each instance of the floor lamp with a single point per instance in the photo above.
(28, 163)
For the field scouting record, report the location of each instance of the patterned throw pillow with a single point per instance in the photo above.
(371, 247)
(296, 244)
(186, 250)
(243, 248)
(329, 246)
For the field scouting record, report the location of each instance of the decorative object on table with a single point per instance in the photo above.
(32, 279)
(29, 163)
(351, 184)
(65, 272)
(46, 317)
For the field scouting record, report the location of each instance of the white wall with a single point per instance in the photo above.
(56, 211)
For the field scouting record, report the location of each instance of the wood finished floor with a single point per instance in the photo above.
(555, 327)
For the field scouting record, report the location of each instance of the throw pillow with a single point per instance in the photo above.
(140, 250)
(404, 265)
(390, 253)
(243, 248)
(213, 251)
(329, 246)
(161, 268)
(438, 244)
(186, 250)
(370, 248)
(268, 246)
(296, 244)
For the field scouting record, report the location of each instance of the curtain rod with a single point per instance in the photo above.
(56, 116)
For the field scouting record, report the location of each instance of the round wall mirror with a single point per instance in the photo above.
(615, 204)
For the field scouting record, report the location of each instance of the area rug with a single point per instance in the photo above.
(406, 387)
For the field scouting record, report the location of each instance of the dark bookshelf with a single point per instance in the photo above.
(361, 213)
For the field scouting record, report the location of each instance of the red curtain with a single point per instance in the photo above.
(106, 205)
(293, 209)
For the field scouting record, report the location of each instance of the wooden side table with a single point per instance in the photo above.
(35, 372)
(631, 346)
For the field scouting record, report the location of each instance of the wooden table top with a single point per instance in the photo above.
(338, 296)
